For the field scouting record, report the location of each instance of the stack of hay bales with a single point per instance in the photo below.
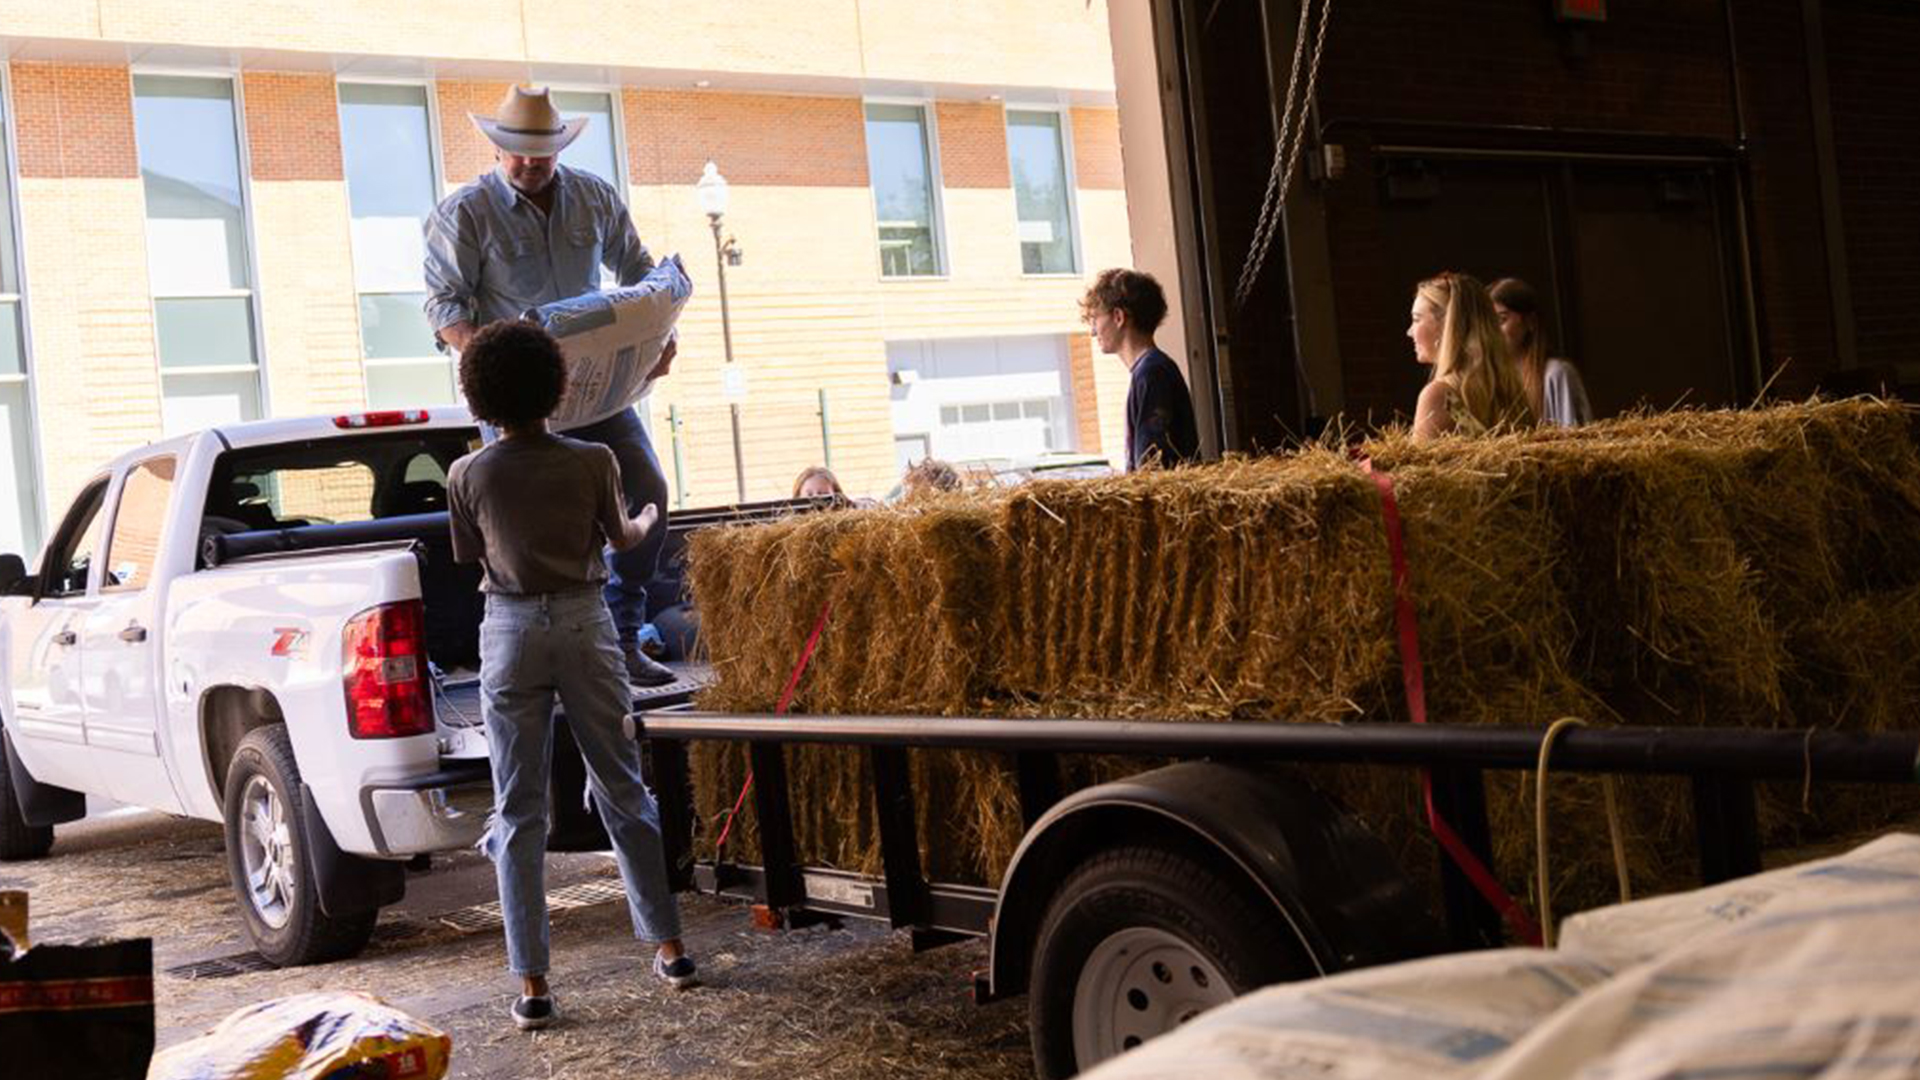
(1756, 568)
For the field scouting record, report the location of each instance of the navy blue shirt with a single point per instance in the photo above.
(1159, 414)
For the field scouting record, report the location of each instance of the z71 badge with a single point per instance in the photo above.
(289, 641)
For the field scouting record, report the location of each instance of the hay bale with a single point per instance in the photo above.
(1732, 568)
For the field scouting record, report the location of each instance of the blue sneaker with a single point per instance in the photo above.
(677, 973)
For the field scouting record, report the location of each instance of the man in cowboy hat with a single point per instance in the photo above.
(529, 232)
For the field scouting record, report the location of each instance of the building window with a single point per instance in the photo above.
(597, 150)
(1004, 399)
(905, 190)
(198, 258)
(386, 143)
(1003, 429)
(1042, 192)
(19, 511)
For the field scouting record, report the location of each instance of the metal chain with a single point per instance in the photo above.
(1286, 149)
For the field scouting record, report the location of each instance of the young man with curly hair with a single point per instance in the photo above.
(535, 509)
(1123, 308)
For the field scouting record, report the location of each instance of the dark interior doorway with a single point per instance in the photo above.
(1632, 260)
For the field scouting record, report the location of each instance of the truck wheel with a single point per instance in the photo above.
(1139, 940)
(18, 840)
(269, 863)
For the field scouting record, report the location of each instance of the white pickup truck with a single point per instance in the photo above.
(261, 625)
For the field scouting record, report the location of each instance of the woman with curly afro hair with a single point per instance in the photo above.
(534, 509)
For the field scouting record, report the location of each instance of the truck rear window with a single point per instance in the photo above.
(335, 480)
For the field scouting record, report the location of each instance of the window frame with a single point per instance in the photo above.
(94, 491)
(37, 511)
(1068, 177)
(936, 188)
(243, 168)
(436, 170)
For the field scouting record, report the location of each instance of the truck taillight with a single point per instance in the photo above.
(383, 657)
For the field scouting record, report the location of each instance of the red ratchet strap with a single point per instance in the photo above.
(786, 700)
(1416, 688)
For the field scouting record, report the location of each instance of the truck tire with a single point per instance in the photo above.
(18, 840)
(1137, 941)
(269, 862)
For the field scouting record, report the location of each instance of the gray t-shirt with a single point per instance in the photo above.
(535, 511)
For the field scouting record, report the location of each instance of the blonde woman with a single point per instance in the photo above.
(1474, 387)
(1553, 385)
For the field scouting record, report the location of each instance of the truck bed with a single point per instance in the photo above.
(457, 699)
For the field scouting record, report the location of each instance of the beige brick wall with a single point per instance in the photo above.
(309, 312)
(1061, 43)
(1053, 43)
(809, 307)
(37, 18)
(1105, 242)
(97, 386)
(805, 315)
(84, 256)
(465, 29)
(820, 38)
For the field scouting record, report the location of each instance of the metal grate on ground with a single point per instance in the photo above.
(487, 916)
(221, 967)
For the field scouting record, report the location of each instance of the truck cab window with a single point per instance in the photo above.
(137, 521)
(71, 557)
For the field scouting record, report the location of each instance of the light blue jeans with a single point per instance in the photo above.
(532, 648)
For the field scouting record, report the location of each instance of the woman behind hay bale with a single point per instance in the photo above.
(1552, 383)
(1474, 386)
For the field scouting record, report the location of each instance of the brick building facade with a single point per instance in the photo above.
(779, 98)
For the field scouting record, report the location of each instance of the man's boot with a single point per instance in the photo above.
(643, 670)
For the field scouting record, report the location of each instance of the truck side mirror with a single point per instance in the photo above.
(13, 575)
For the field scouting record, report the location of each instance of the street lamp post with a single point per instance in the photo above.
(711, 190)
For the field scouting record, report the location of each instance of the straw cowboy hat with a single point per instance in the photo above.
(528, 124)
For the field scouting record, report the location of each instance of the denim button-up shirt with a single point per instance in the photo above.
(492, 254)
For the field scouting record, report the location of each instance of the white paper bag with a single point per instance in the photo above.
(613, 340)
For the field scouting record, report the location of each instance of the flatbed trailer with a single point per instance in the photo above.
(1130, 906)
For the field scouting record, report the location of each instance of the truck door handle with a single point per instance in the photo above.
(65, 637)
(134, 634)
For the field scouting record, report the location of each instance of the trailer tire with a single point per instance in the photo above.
(269, 861)
(1139, 939)
(19, 841)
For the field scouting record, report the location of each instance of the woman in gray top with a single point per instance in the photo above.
(534, 509)
(1553, 385)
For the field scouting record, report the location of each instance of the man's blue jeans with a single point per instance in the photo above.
(531, 649)
(641, 481)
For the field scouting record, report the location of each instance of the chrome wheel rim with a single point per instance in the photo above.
(266, 853)
(1136, 984)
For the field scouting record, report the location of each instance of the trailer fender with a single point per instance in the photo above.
(1333, 883)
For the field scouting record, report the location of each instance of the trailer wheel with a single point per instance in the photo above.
(18, 840)
(269, 862)
(1139, 940)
